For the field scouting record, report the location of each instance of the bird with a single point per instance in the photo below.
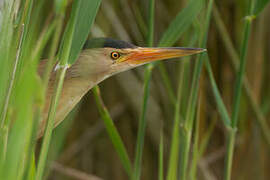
(100, 59)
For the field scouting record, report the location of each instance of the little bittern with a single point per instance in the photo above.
(100, 59)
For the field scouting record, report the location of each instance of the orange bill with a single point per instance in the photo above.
(143, 55)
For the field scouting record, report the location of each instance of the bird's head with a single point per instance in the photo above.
(106, 57)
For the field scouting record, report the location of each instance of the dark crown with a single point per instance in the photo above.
(107, 42)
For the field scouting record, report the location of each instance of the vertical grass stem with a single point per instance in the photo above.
(188, 124)
(237, 95)
(112, 131)
(147, 79)
(4, 113)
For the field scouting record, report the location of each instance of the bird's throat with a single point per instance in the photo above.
(74, 88)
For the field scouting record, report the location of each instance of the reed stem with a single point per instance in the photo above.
(237, 95)
(147, 80)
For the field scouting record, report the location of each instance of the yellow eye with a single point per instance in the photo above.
(115, 55)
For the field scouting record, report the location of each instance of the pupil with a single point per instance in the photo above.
(115, 55)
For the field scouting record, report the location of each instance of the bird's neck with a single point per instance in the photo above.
(74, 88)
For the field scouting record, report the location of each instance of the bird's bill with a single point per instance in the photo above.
(146, 55)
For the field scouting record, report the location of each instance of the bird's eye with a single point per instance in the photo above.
(115, 55)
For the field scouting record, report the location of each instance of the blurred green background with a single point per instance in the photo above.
(81, 147)
(125, 19)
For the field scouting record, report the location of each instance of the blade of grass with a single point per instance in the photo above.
(26, 16)
(28, 143)
(19, 42)
(25, 98)
(142, 124)
(193, 40)
(52, 52)
(221, 106)
(3, 127)
(165, 75)
(195, 152)
(261, 120)
(57, 89)
(18, 138)
(160, 162)
(3, 145)
(6, 33)
(188, 124)
(112, 131)
(147, 79)
(58, 138)
(88, 11)
(181, 23)
(174, 150)
(50, 122)
(259, 6)
(44, 37)
(32, 168)
(237, 94)
(4, 113)
(177, 27)
(8, 48)
(240, 75)
(58, 21)
(19, 134)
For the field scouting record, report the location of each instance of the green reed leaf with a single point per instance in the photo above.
(147, 80)
(86, 16)
(112, 131)
(181, 23)
(259, 6)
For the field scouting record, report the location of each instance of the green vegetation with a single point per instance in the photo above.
(202, 117)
